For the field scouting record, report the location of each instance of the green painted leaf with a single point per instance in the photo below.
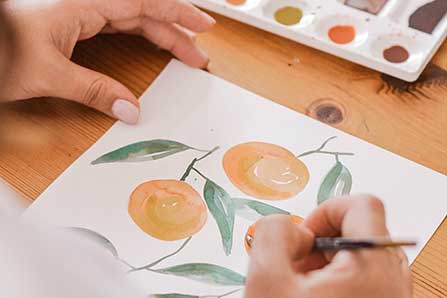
(95, 237)
(143, 151)
(175, 295)
(338, 182)
(253, 210)
(222, 208)
(205, 273)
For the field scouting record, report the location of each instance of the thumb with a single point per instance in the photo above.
(277, 245)
(95, 90)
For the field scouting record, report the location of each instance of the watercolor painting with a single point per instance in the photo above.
(175, 200)
(171, 210)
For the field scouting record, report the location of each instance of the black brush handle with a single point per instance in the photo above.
(335, 244)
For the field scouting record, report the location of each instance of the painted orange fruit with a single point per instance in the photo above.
(265, 171)
(167, 209)
(250, 235)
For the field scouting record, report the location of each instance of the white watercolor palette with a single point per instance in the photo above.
(104, 193)
(374, 33)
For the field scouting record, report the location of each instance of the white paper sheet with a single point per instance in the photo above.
(203, 111)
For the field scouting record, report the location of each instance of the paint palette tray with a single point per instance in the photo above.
(396, 37)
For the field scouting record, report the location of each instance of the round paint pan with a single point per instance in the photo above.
(242, 4)
(343, 30)
(236, 2)
(289, 13)
(399, 49)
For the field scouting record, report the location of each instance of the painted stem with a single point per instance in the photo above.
(221, 296)
(321, 151)
(195, 160)
(326, 152)
(200, 174)
(147, 267)
(127, 264)
(200, 150)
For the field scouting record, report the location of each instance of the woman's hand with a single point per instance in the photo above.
(283, 266)
(47, 31)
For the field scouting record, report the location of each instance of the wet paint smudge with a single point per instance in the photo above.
(396, 54)
(342, 34)
(428, 16)
(288, 15)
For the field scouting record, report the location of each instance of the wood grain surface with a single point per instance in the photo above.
(41, 138)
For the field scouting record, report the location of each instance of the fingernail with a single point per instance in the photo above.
(209, 18)
(125, 111)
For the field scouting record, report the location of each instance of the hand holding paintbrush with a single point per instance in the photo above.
(287, 261)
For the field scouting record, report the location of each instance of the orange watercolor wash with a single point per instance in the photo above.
(252, 229)
(342, 34)
(265, 171)
(168, 209)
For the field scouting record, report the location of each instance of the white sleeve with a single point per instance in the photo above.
(37, 263)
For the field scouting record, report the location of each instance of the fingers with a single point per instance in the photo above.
(176, 40)
(346, 271)
(278, 243)
(178, 11)
(346, 279)
(360, 216)
(73, 82)
(165, 23)
(279, 240)
(172, 11)
(179, 41)
(315, 260)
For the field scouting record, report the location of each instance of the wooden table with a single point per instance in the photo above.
(41, 138)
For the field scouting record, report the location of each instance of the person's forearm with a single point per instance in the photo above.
(6, 45)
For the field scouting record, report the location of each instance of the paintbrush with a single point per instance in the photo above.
(339, 243)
